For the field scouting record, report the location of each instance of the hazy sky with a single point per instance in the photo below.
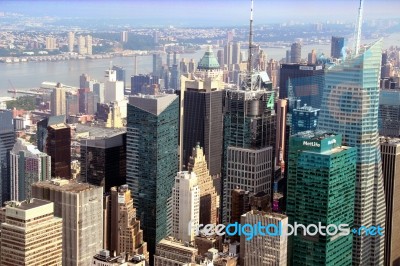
(220, 12)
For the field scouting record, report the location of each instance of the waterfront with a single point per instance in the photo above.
(32, 74)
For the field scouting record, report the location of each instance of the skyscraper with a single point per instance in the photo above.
(312, 57)
(307, 82)
(138, 81)
(124, 36)
(389, 113)
(88, 40)
(71, 41)
(249, 137)
(58, 147)
(249, 134)
(264, 250)
(337, 47)
(157, 65)
(202, 116)
(103, 157)
(7, 140)
(58, 101)
(295, 53)
(80, 206)
(126, 235)
(185, 206)
(174, 83)
(350, 107)
(304, 118)
(390, 152)
(31, 235)
(113, 88)
(42, 132)
(209, 199)
(28, 166)
(320, 189)
(120, 74)
(236, 53)
(152, 161)
(82, 50)
(51, 43)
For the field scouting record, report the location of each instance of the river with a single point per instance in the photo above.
(32, 74)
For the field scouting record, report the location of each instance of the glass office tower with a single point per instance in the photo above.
(152, 161)
(350, 107)
(321, 185)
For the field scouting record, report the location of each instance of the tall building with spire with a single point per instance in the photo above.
(249, 134)
(350, 107)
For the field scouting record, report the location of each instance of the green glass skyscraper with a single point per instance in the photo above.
(320, 189)
(152, 161)
(350, 107)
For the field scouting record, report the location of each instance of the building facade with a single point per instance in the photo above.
(389, 113)
(58, 147)
(320, 189)
(58, 101)
(31, 234)
(337, 47)
(126, 235)
(307, 82)
(202, 117)
(264, 250)
(80, 206)
(304, 118)
(249, 139)
(390, 152)
(103, 159)
(350, 107)
(170, 252)
(152, 161)
(28, 166)
(295, 53)
(185, 206)
(209, 197)
(7, 140)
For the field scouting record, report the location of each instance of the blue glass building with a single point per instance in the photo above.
(350, 107)
(152, 161)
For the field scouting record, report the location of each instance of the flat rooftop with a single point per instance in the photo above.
(65, 185)
(28, 204)
(97, 132)
(59, 126)
(392, 141)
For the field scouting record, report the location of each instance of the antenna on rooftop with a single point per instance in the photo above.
(249, 66)
(357, 37)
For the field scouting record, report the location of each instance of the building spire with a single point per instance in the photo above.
(357, 37)
(249, 66)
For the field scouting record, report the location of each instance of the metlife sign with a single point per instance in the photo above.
(311, 144)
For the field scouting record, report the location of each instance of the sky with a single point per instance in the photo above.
(218, 12)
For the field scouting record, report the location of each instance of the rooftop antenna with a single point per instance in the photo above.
(249, 66)
(357, 37)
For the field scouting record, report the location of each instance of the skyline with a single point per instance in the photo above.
(209, 13)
